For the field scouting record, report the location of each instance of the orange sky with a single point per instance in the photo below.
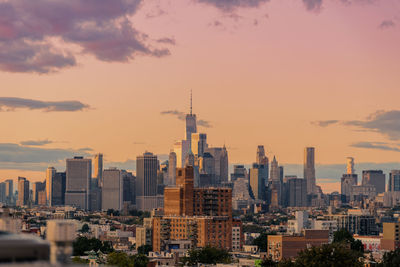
(259, 76)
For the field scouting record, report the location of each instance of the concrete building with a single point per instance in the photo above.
(347, 183)
(129, 187)
(202, 216)
(55, 187)
(391, 240)
(394, 181)
(262, 160)
(237, 235)
(37, 187)
(23, 191)
(358, 222)
(239, 171)
(241, 195)
(50, 173)
(287, 247)
(9, 191)
(296, 192)
(199, 144)
(257, 175)
(220, 155)
(146, 182)
(3, 196)
(359, 192)
(98, 169)
(171, 168)
(78, 182)
(309, 169)
(57, 197)
(300, 222)
(112, 190)
(376, 178)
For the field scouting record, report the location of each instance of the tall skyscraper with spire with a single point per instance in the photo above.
(191, 125)
(309, 169)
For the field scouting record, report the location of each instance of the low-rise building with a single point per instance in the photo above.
(287, 247)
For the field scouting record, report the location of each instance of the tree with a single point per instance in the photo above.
(78, 260)
(207, 255)
(335, 254)
(261, 242)
(119, 259)
(85, 228)
(344, 236)
(140, 260)
(391, 258)
(83, 244)
(144, 249)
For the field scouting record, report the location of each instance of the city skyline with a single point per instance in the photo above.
(345, 51)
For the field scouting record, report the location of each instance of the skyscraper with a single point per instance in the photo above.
(350, 165)
(347, 183)
(376, 178)
(220, 155)
(98, 169)
(112, 190)
(394, 181)
(50, 173)
(274, 176)
(37, 187)
(191, 125)
(3, 196)
(257, 182)
(309, 169)
(296, 192)
(199, 144)
(239, 171)
(23, 191)
(171, 168)
(58, 189)
(261, 159)
(146, 181)
(9, 191)
(78, 174)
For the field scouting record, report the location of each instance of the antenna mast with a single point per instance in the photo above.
(191, 107)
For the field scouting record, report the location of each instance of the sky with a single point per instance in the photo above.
(80, 77)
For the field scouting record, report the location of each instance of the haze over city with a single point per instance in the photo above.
(232, 133)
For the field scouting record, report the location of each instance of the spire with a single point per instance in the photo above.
(191, 106)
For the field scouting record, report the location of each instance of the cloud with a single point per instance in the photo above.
(20, 154)
(377, 146)
(182, 116)
(232, 5)
(384, 122)
(324, 123)
(34, 34)
(313, 5)
(386, 24)
(13, 103)
(36, 142)
(179, 114)
(167, 40)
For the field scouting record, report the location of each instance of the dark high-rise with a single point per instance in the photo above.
(146, 181)
(376, 178)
